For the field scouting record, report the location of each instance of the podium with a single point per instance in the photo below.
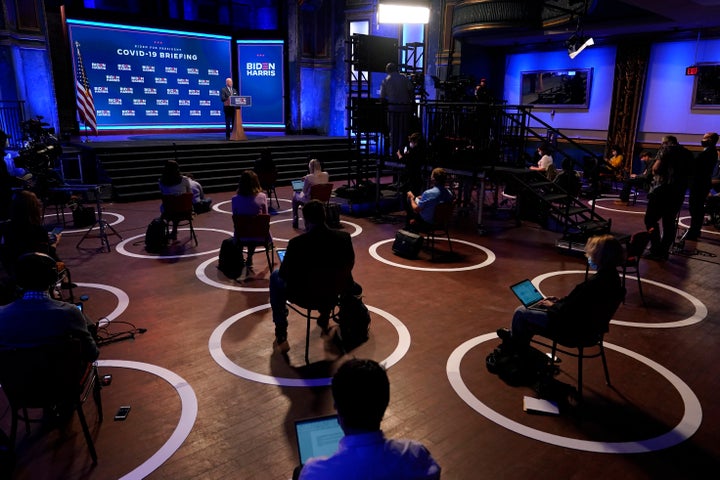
(239, 101)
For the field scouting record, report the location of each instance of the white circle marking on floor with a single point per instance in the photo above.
(216, 351)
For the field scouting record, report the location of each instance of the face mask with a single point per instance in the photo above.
(592, 264)
(412, 145)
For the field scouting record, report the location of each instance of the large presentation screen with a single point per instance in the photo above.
(260, 67)
(146, 78)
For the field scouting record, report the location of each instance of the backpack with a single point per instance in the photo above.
(354, 320)
(230, 262)
(332, 215)
(515, 367)
(407, 244)
(156, 236)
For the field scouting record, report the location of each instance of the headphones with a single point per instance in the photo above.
(36, 271)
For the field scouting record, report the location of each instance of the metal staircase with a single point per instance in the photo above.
(545, 202)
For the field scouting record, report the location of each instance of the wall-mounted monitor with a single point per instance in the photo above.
(146, 78)
(564, 88)
(706, 92)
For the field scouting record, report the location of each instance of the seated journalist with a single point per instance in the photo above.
(572, 314)
(316, 269)
(35, 318)
(361, 393)
(421, 210)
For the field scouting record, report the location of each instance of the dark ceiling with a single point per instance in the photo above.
(611, 20)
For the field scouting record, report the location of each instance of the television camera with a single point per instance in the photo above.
(39, 154)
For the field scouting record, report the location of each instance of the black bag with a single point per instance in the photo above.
(230, 262)
(202, 206)
(332, 215)
(407, 244)
(515, 367)
(156, 236)
(83, 216)
(354, 320)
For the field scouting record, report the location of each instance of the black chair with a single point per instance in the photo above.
(322, 296)
(255, 230)
(47, 377)
(598, 321)
(267, 183)
(633, 253)
(441, 224)
(177, 209)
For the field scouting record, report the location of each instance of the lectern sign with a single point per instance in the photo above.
(240, 101)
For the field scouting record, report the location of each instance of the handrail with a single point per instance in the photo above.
(557, 133)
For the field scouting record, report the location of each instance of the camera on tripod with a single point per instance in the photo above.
(39, 154)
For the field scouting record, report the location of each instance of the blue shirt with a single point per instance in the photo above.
(370, 456)
(429, 198)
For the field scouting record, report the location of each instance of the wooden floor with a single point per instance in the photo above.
(210, 400)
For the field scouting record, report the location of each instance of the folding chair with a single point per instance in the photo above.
(255, 230)
(179, 208)
(48, 376)
(563, 341)
(441, 223)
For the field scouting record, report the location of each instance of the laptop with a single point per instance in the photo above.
(528, 295)
(317, 437)
(297, 185)
(281, 254)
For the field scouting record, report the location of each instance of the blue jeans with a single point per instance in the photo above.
(526, 323)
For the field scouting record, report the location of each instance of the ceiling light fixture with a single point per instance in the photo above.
(577, 44)
(399, 11)
(578, 41)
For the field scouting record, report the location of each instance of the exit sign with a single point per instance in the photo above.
(691, 70)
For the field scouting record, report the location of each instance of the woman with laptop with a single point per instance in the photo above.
(574, 313)
(315, 175)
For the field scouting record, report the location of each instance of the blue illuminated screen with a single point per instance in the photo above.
(143, 78)
(260, 70)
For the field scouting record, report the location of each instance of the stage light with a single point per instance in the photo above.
(401, 12)
(577, 44)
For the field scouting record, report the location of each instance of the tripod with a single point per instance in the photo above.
(102, 225)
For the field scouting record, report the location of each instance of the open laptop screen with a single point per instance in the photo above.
(297, 185)
(526, 292)
(317, 437)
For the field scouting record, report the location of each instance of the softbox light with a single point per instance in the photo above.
(403, 12)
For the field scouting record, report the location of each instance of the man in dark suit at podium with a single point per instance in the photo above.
(229, 110)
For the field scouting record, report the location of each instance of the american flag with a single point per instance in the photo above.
(85, 102)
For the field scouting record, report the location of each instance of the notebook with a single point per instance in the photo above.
(281, 254)
(528, 295)
(317, 437)
(297, 185)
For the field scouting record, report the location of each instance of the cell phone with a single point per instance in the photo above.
(281, 254)
(122, 413)
(56, 230)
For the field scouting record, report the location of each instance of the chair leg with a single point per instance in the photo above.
(307, 339)
(642, 297)
(447, 234)
(97, 397)
(604, 362)
(580, 372)
(270, 253)
(86, 432)
(192, 234)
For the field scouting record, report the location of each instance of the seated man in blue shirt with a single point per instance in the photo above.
(361, 391)
(35, 318)
(421, 210)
